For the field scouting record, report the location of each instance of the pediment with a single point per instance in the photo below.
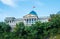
(30, 15)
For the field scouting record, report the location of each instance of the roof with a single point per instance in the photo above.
(33, 13)
(9, 18)
(58, 12)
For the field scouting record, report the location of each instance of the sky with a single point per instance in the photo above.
(19, 8)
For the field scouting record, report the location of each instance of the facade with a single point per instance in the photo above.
(28, 19)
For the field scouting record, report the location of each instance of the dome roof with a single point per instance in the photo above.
(33, 13)
(58, 12)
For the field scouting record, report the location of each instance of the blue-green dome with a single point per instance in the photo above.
(58, 12)
(33, 13)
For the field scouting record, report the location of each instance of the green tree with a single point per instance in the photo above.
(4, 30)
(4, 27)
(55, 20)
(20, 30)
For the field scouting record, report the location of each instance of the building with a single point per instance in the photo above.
(28, 19)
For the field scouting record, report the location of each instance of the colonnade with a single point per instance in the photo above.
(30, 20)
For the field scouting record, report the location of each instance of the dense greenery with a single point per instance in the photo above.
(36, 31)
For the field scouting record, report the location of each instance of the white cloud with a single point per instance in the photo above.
(11, 3)
(8, 2)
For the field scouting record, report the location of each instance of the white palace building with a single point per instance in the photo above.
(28, 19)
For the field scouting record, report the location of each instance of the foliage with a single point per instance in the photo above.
(4, 27)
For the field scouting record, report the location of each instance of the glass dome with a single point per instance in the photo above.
(33, 13)
(58, 12)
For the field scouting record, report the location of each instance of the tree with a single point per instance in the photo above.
(4, 30)
(4, 27)
(20, 30)
(55, 20)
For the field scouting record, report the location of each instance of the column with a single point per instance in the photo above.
(29, 21)
(25, 21)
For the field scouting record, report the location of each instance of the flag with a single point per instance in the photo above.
(33, 6)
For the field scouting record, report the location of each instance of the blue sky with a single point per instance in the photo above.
(19, 8)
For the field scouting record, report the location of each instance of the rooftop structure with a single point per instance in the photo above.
(33, 13)
(58, 12)
(28, 19)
